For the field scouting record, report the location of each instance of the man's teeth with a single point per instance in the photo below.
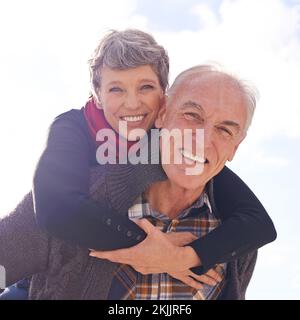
(133, 118)
(189, 156)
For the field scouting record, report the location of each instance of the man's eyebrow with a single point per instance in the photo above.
(192, 104)
(232, 124)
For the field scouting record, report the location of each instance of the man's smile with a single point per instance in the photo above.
(190, 158)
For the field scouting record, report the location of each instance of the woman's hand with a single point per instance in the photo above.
(180, 239)
(158, 253)
(211, 278)
(163, 252)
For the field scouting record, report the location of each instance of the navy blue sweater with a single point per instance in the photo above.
(63, 207)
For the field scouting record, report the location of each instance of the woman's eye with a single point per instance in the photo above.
(115, 89)
(147, 87)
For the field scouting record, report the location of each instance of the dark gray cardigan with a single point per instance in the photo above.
(64, 271)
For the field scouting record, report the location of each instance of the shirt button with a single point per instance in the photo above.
(108, 222)
(119, 228)
(174, 224)
(138, 238)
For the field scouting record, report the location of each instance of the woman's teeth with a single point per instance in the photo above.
(133, 118)
(190, 158)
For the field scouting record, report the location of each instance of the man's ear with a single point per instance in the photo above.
(161, 116)
(231, 156)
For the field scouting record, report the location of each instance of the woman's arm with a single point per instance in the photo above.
(61, 191)
(23, 247)
(246, 225)
(64, 208)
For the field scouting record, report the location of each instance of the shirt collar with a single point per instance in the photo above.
(141, 208)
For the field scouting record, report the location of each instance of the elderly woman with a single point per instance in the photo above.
(129, 74)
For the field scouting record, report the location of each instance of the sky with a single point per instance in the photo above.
(44, 48)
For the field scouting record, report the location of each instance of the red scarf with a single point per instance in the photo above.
(96, 120)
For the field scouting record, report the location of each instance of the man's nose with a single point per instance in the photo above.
(208, 136)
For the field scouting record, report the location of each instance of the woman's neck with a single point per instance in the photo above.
(171, 199)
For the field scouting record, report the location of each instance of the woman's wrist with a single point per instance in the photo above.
(190, 257)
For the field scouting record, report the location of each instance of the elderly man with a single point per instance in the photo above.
(200, 98)
(222, 106)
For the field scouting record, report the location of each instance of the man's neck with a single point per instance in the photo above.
(170, 199)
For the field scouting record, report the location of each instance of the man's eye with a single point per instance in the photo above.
(225, 131)
(191, 116)
(115, 89)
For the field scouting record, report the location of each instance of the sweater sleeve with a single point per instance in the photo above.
(246, 225)
(23, 247)
(62, 204)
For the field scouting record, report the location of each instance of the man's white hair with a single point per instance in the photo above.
(248, 90)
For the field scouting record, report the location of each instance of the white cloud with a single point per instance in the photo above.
(206, 15)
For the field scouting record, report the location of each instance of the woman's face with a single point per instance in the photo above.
(133, 95)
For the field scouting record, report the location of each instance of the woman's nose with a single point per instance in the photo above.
(132, 101)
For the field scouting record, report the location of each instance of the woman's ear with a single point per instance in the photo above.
(98, 104)
(97, 101)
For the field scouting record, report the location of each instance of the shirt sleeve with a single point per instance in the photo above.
(246, 225)
(62, 204)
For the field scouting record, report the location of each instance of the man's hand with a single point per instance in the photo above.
(158, 253)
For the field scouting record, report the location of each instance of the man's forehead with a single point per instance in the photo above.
(212, 94)
(214, 81)
(215, 88)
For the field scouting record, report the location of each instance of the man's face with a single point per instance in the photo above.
(215, 104)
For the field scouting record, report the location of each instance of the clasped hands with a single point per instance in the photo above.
(163, 252)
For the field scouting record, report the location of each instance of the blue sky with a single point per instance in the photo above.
(44, 49)
(173, 15)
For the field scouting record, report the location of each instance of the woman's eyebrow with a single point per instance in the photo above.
(115, 82)
(148, 80)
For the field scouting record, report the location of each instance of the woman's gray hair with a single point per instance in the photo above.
(249, 91)
(127, 49)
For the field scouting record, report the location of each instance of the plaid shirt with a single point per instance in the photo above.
(129, 284)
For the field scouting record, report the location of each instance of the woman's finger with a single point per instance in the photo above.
(214, 274)
(205, 279)
(189, 281)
